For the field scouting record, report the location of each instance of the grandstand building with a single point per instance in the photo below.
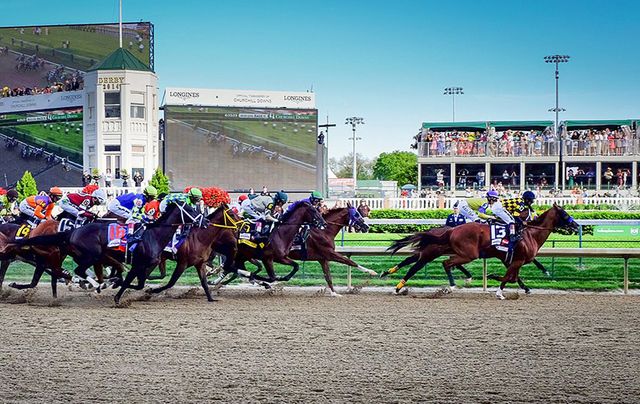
(600, 155)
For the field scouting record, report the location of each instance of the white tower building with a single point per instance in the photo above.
(121, 118)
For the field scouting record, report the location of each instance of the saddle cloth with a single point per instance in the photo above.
(23, 231)
(117, 236)
(499, 237)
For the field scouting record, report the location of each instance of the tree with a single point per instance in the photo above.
(26, 186)
(398, 166)
(160, 181)
(343, 167)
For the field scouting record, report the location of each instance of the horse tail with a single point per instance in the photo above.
(59, 239)
(419, 241)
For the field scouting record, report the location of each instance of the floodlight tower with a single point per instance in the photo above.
(453, 91)
(354, 121)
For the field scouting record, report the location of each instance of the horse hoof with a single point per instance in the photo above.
(499, 296)
(527, 291)
(372, 273)
(384, 274)
(12, 285)
(334, 294)
(468, 281)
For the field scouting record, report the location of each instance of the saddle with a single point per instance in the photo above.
(300, 241)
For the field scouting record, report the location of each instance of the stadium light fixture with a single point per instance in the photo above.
(557, 59)
(325, 160)
(354, 121)
(453, 91)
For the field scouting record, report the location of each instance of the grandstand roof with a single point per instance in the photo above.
(121, 59)
(520, 125)
(445, 126)
(611, 123)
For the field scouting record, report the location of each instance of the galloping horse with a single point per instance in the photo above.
(280, 241)
(148, 251)
(45, 258)
(471, 241)
(219, 237)
(321, 245)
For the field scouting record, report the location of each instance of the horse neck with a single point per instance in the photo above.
(286, 232)
(540, 233)
(165, 228)
(336, 219)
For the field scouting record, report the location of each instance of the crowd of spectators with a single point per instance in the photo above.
(593, 142)
(68, 85)
(509, 143)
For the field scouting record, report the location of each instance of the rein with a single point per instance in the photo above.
(228, 219)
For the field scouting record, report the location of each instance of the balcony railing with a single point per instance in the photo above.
(500, 148)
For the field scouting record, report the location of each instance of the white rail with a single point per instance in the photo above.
(624, 253)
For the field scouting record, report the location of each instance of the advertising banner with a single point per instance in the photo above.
(239, 98)
(40, 102)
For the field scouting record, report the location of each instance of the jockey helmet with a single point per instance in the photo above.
(150, 191)
(280, 197)
(100, 195)
(528, 196)
(493, 194)
(242, 198)
(195, 194)
(12, 195)
(315, 197)
(55, 191)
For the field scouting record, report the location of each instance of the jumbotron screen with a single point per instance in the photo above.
(241, 148)
(42, 55)
(56, 131)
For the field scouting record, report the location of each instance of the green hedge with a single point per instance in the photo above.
(443, 213)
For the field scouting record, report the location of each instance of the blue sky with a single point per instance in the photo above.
(388, 61)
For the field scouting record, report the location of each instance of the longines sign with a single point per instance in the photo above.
(239, 98)
(64, 99)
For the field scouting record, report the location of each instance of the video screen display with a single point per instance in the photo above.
(56, 131)
(43, 55)
(241, 148)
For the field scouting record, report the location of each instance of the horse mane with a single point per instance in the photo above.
(286, 215)
(335, 210)
(538, 220)
(222, 207)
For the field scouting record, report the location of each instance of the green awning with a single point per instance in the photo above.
(520, 125)
(591, 124)
(449, 126)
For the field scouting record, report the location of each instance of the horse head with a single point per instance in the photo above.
(305, 213)
(563, 219)
(356, 220)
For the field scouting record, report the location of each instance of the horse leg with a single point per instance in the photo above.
(521, 284)
(285, 261)
(510, 276)
(37, 274)
(125, 284)
(339, 258)
(327, 277)
(466, 273)
(412, 271)
(202, 273)
(4, 265)
(180, 267)
(454, 261)
(541, 267)
(409, 260)
(162, 267)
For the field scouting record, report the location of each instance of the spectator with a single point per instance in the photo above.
(455, 218)
(608, 176)
(107, 178)
(570, 179)
(137, 178)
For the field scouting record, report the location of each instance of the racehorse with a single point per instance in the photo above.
(45, 258)
(280, 241)
(147, 253)
(219, 237)
(320, 246)
(471, 241)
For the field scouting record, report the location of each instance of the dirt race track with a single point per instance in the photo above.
(251, 346)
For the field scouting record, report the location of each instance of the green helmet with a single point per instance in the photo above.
(150, 190)
(280, 197)
(195, 193)
(316, 195)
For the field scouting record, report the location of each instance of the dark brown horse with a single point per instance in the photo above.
(320, 246)
(471, 241)
(279, 243)
(218, 237)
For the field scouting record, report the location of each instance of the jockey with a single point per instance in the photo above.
(130, 206)
(76, 205)
(7, 202)
(191, 198)
(262, 210)
(35, 208)
(468, 207)
(314, 199)
(237, 207)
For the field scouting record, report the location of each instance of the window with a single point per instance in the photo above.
(137, 149)
(112, 105)
(92, 149)
(112, 148)
(137, 105)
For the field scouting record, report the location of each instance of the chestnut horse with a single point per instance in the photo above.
(468, 242)
(321, 247)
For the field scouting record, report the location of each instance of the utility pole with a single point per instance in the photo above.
(323, 138)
